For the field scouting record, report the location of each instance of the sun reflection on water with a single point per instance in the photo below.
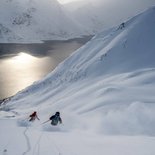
(23, 58)
(22, 70)
(18, 71)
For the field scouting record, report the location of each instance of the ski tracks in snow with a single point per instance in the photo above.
(37, 146)
(57, 149)
(36, 149)
(27, 141)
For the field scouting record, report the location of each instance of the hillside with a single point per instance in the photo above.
(104, 92)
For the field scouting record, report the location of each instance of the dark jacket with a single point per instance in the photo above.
(55, 119)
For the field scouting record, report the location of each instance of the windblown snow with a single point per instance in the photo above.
(104, 92)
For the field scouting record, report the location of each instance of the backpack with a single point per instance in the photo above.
(55, 120)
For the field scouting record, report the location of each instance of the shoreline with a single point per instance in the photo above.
(36, 49)
(41, 50)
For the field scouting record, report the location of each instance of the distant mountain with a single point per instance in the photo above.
(34, 20)
(7, 35)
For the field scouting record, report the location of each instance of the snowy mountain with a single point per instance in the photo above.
(104, 92)
(35, 20)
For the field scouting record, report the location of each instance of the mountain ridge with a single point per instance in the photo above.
(32, 21)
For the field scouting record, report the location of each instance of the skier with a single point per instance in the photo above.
(33, 116)
(55, 119)
(122, 25)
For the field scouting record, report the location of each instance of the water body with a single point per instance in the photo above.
(22, 64)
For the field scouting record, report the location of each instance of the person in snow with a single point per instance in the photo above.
(55, 119)
(122, 25)
(33, 116)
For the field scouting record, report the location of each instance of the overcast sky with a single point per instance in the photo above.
(66, 1)
(111, 11)
(143, 2)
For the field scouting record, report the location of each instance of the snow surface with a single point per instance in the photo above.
(104, 92)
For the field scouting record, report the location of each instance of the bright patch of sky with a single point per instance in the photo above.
(66, 1)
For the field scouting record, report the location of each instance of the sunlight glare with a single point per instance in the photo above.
(23, 58)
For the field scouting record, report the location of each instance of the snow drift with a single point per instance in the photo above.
(107, 86)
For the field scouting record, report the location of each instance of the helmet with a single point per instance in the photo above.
(57, 113)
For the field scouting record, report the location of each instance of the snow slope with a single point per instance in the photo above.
(104, 92)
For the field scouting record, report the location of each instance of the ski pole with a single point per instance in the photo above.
(45, 121)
